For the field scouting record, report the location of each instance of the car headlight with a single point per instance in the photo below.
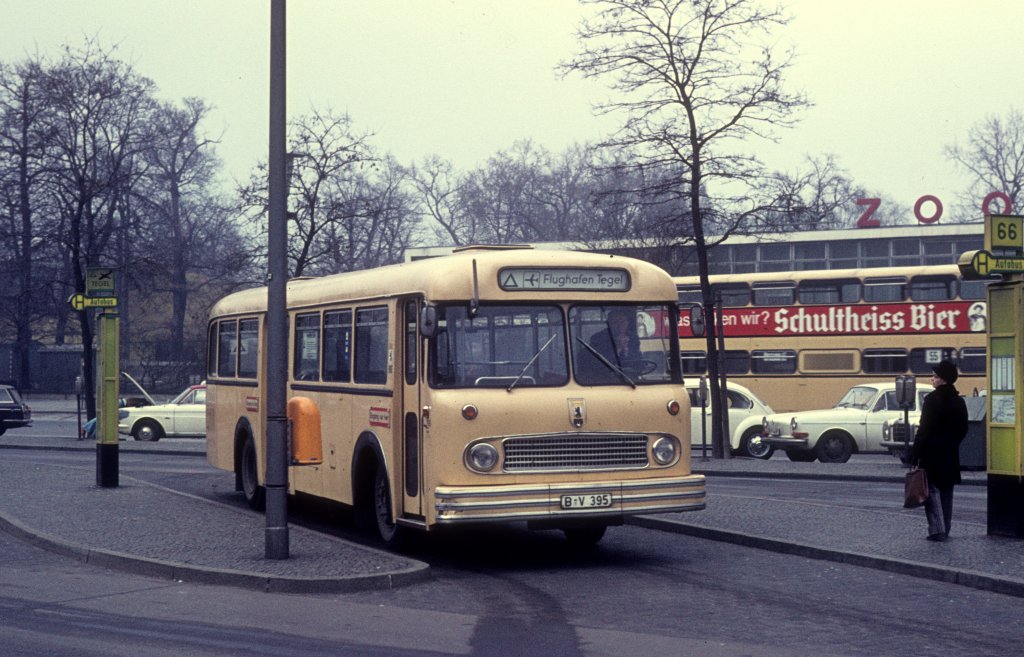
(664, 450)
(483, 457)
(886, 431)
(793, 424)
(122, 415)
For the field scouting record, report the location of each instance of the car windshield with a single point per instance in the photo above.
(499, 346)
(616, 345)
(857, 397)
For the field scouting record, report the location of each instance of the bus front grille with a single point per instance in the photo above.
(576, 451)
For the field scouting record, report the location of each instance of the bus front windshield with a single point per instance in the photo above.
(527, 345)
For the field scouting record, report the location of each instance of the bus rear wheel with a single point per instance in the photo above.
(255, 495)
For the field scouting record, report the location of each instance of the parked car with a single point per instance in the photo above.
(746, 411)
(832, 435)
(185, 415)
(14, 412)
(896, 439)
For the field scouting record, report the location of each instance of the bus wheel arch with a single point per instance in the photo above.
(367, 457)
(835, 446)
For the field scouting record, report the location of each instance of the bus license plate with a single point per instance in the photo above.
(598, 501)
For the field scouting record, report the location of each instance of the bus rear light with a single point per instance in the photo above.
(469, 411)
(673, 407)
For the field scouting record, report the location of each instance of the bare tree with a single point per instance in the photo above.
(695, 79)
(23, 138)
(97, 109)
(439, 190)
(820, 196)
(994, 159)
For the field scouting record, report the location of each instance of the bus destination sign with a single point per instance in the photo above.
(560, 279)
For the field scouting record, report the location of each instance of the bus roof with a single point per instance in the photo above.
(450, 278)
(825, 274)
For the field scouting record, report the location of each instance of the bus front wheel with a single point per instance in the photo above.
(255, 495)
(391, 534)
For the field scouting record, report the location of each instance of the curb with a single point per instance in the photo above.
(972, 579)
(823, 476)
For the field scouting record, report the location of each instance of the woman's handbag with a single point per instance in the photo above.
(915, 488)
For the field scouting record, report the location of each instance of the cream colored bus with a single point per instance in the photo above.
(801, 339)
(482, 386)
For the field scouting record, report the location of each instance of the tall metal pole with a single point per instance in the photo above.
(277, 318)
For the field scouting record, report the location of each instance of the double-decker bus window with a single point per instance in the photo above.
(733, 295)
(337, 345)
(694, 362)
(923, 359)
(248, 348)
(227, 348)
(306, 363)
(825, 291)
(737, 361)
(689, 294)
(973, 289)
(884, 361)
(371, 362)
(781, 293)
(829, 362)
(972, 360)
(885, 289)
(932, 288)
(773, 361)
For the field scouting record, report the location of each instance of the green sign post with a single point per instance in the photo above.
(1003, 254)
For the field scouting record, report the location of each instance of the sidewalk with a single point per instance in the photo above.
(199, 540)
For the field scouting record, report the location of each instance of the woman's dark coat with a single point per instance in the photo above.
(941, 430)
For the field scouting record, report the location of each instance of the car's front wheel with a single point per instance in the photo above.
(757, 449)
(147, 430)
(834, 447)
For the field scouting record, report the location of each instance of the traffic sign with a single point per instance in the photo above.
(979, 264)
(100, 282)
(81, 302)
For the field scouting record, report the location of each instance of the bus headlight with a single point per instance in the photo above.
(483, 457)
(664, 450)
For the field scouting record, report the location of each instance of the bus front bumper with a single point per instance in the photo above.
(610, 501)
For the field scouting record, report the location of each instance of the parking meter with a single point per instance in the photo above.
(906, 391)
(702, 397)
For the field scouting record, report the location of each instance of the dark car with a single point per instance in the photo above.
(13, 411)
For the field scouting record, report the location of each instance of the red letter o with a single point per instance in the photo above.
(938, 209)
(991, 196)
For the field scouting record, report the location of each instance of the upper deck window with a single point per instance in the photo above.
(779, 293)
(888, 288)
(833, 291)
(933, 288)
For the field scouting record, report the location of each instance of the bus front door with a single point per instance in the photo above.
(412, 426)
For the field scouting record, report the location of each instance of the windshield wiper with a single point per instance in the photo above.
(612, 366)
(531, 361)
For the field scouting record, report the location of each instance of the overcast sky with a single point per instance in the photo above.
(893, 82)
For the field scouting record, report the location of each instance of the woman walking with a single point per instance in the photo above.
(937, 447)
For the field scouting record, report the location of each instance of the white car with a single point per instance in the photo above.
(831, 435)
(185, 415)
(746, 411)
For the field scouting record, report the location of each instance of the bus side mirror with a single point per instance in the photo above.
(697, 326)
(906, 390)
(428, 321)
